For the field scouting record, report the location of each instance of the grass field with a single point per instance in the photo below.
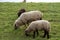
(8, 14)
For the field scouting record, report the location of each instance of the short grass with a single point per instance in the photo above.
(8, 14)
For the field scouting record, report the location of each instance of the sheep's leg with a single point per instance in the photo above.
(47, 34)
(33, 34)
(37, 32)
(44, 34)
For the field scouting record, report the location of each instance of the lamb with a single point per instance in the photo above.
(21, 11)
(38, 25)
(27, 17)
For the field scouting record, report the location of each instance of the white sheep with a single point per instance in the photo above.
(38, 25)
(28, 17)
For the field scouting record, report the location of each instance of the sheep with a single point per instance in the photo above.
(27, 17)
(38, 25)
(21, 11)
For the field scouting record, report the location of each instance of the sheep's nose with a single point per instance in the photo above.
(16, 28)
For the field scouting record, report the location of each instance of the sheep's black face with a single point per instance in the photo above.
(21, 11)
(16, 27)
(26, 33)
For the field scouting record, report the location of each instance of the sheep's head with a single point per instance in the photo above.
(21, 11)
(26, 32)
(16, 27)
(17, 24)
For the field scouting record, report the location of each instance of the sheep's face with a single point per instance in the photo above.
(16, 27)
(26, 33)
(21, 11)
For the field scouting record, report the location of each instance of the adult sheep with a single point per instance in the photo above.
(38, 25)
(28, 17)
(21, 11)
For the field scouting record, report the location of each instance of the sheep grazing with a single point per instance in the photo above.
(38, 25)
(21, 11)
(27, 17)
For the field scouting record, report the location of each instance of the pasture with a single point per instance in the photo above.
(8, 14)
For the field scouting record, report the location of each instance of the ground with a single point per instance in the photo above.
(8, 14)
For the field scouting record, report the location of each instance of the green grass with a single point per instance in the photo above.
(8, 14)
